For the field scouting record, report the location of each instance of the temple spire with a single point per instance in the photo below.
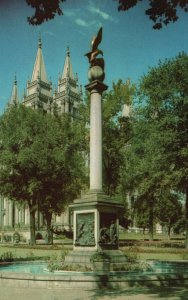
(126, 111)
(14, 96)
(39, 41)
(38, 88)
(39, 70)
(67, 96)
(67, 70)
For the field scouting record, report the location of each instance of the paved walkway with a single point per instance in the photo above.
(80, 294)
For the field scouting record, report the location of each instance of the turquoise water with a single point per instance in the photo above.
(168, 267)
(31, 268)
(41, 268)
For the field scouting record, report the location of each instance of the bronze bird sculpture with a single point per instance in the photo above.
(92, 55)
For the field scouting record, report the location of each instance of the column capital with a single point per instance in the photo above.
(97, 86)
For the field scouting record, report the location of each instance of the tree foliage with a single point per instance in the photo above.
(169, 210)
(165, 93)
(44, 10)
(161, 12)
(116, 132)
(157, 159)
(41, 161)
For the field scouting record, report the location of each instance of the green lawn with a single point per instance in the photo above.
(140, 236)
(32, 252)
(142, 252)
(158, 253)
(161, 249)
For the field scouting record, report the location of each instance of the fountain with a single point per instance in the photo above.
(95, 220)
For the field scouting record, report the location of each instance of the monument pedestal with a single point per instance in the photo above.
(96, 222)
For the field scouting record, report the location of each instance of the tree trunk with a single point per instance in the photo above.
(32, 227)
(169, 232)
(151, 222)
(151, 233)
(186, 219)
(49, 232)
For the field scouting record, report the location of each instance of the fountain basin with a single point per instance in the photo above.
(36, 276)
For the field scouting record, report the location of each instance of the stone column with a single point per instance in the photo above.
(6, 205)
(10, 204)
(96, 89)
(23, 215)
(13, 214)
(19, 216)
(16, 215)
(1, 210)
(26, 216)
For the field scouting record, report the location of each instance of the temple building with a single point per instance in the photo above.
(39, 94)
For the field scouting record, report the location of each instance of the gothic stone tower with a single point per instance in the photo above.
(39, 92)
(67, 97)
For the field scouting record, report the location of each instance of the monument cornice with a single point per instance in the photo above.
(97, 198)
(97, 86)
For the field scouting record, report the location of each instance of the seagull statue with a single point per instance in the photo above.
(92, 55)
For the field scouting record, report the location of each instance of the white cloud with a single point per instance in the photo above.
(89, 16)
(81, 22)
(101, 13)
(49, 33)
(69, 13)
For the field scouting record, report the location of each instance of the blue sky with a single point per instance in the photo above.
(130, 44)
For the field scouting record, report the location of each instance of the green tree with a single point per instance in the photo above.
(139, 171)
(64, 174)
(159, 146)
(166, 93)
(165, 209)
(169, 210)
(142, 219)
(116, 133)
(40, 161)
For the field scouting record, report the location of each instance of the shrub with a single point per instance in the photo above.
(78, 268)
(99, 256)
(134, 267)
(56, 263)
(53, 265)
(132, 254)
(63, 254)
(7, 257)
